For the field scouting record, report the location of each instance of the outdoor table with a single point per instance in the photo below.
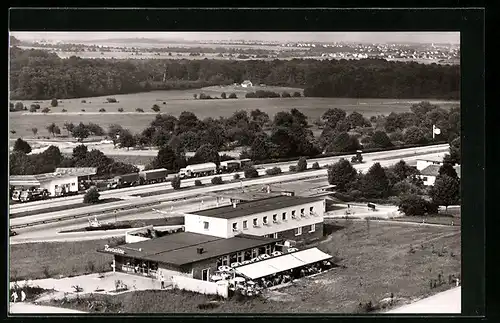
(277, 253)
(250, 282)
(216, 277)
(238, 279)
(265, 256)
(224, 268)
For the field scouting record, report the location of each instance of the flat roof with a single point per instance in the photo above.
(181, 248)
(257, 206)
(77, 171)
(36, 179)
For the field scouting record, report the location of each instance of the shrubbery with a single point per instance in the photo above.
(198, 183)
(176, 183)
(217, 180)
(273, 171)
(250, 172)
(92, 196)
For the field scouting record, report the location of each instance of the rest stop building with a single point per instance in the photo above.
(234, 236)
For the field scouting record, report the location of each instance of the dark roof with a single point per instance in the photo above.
(254, 207)
(431, 170)
(181, 248)
(212, 249)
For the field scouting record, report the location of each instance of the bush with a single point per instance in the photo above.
(64, 110)
(250, 172)
(139, 110)
(176, 183)
(412, 205)
(111, 100)
(120, 109)
(296, 94)
(92, 196)
(292, 168)
(46, 110)
(83, 101)
(236, 176)
(315, 165)
(156, 108)
(54, 103)
(32, 108)
(22, 146)
(217, 180)
(233, 96)
(46, 272)
(273, 171)
(302, 164)
(102, 110)
(198, 183)
(285, 95)
(83, 110)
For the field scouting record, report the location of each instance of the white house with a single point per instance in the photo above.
(290, 217)
(424, 162)
(246, 83)
(429, 174)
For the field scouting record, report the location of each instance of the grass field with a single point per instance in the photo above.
(51, 259)
(179, 101)
(374, 262)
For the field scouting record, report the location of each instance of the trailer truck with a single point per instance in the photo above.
(153, 176)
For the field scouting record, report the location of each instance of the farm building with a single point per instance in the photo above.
(246, 83)
(429, 174)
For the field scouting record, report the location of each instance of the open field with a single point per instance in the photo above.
(179, 101)
(39, 260)
(374, 262)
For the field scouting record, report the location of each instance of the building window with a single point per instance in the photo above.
(255, 252)
(240, 256)
(264, 220)
(255, 222)
(283, 216)
(275, 218)
(313, 228)
(245, 224)
(275, 235)
(72, 184)
(302, 212)
(225, 260)
(204, 274)
(268, 250)
(235, 226)
(311, 209)
(205, 225)
(293, 214)
(56, 186)
(298, 231)
(424, 179)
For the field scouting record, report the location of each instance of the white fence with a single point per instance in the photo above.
(201, 286)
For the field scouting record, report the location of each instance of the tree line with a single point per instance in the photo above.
(20, 163)
(399, 183)
(39, 74)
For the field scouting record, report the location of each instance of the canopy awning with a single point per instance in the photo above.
(282, 263)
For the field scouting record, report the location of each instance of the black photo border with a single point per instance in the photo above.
(470, 22)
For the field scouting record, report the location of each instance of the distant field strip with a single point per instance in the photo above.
(445, 150)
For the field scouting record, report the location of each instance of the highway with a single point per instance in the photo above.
(176, 195)
(127, 192)
(51, 231)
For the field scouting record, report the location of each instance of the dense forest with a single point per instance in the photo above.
(38, 75)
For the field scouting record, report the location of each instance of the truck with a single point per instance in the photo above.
(34, 195)
(198, 170)
(358, 158)
(124, 180)
(229, 166)
(153, 176)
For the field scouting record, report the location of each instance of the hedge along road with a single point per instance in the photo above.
(37, 205)
(84, 211)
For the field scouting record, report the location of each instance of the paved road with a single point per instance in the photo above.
(28, 308)
(447, 302)
(368, 157)
(188, 193)
(51, 231)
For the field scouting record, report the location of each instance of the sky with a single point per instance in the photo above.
(358, 37)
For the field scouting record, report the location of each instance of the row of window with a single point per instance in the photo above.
(298, 231)
(265, 219)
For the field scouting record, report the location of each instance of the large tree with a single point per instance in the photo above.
(80, 132)
(447, 169)
(333, 116)
(126, 139)
(207, 153)
(22, 146)
(375, 183)
(381, 140)
(343, 142)
(356, 119)
(260, 117)
(412, 205)
(261, 147)
(446, 191)
(80, 152)
(166, 158)
(188, 121)
(414, 135)
(342, 174)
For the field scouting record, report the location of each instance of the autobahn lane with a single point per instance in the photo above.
(52, 231)
(185, 194)
(37, 205)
